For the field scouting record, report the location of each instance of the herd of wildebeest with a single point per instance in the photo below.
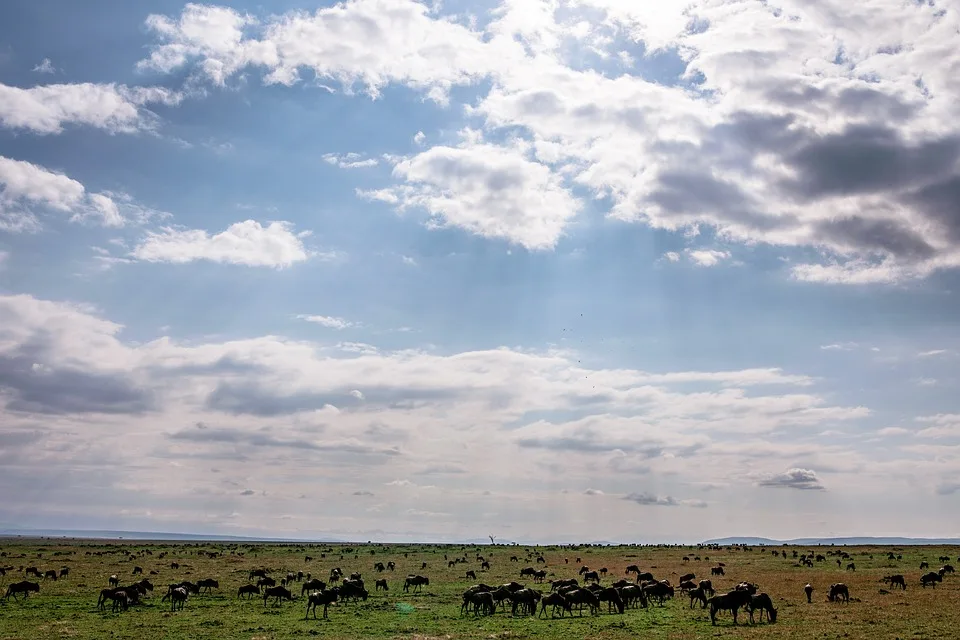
(584, 588)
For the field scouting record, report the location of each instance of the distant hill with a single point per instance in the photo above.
(146, 535)
(862, 540)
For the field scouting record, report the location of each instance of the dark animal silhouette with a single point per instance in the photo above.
(207, 584)
(931, 579)
(896, 581)
(716, 571)
(763, 602)
(24, 587)
(732, 602)
(278, 594)
(313, 585)
(317, 598)
(558, 602)
(417, 582)
(707, 586)
(839, 592)
(381, 584)
(808, 589)
(266, 582)
(248, 589)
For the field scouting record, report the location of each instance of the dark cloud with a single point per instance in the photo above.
(948, 488)
(867, 159)
(256, 400)
(442, 469)
(34, 387)
(645, 498)
(203, 434)
(247, 492)
(884, 235)
(363, 493)
(803, 479)
(854, 102)
(940, 202)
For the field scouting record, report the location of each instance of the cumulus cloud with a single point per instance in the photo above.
(593, 492)
(242, 243)
(488, 190)
(649, 499)
(46, 109)
(45, 66)
(803, 479)
(27, 189)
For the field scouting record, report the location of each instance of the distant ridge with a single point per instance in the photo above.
(856, 540)
(88, 534)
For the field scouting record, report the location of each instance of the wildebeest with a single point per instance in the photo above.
(417, 582)
(266, 582)
(64, 572)
(381, 584)
(591, 576)
(526, 600)
(851, 567)
(808, 589)
(687, 576)
(707, 586)
(32, 571)
(391, 565)
(325, 598)
(716, 571)
(178, 597)
(612, 597)
(527, 571)
(731, 601)
(51, 573)
(480, 598)
(313, 585)
(248, 589)
(353, 589)
(583, 597)
(471, 574)
(763, 602)
(931, 579)
(924, 565)
(484, 566)
(700, 595)
(839, 592)
(632, 569)
(557, 601)
(24, 587)
(254, 573)
(278, 594)
(114, 581)
(378, 567)
(137, 571)
(947, 568)
(896, 581)
(207, 584)
(658, 591)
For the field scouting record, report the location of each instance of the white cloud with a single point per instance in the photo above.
(419, 138)
(932, 353)
(804, 479)
(45, 66)
(243, 243)
(46, 109)
(672, 256)
(330, 322)
(349, 160)
(28, 189)
(707, 257)
(488, 190)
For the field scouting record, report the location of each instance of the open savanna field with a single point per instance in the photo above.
(67, 608)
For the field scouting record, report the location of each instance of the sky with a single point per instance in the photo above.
(548, 270)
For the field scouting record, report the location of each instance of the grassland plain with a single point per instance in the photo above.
(67, 608)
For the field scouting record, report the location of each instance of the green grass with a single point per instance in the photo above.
(67, 608)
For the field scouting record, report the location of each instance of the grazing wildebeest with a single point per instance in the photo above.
(423, 566)
(278, 594)
(481, 600)
(514, 559)
(23, 587)
(137, 571)
(707, 587)
(353, 589)
(114, 581)
(556, 584)
(716, 571)
(851, 567)
(896, 581)
(526, 600)
(658, 591)
(582, 597)
(839, 592)
(254, 573)
(381, 584)
(687, 576)
(931, 578)
(527, 571)
(174, 565)
(947, 568)
(51, 573)
(700, 595)
(583, 570)
(924, 565)
(391, 565)
(378, 567)
(178, 597)
(612, 597)
(591, 576)
(538, 576)
(484, 566)
(32, 571)
(471, 574)
(266, 582)
(208, 584)
(632, 595)
(326, 598)
(632, 569)
(248, 589)
(416, 582)
(557, 601)
(64, 572)
(808, 589)
(763, 602)
(313, 585)
(356, 576)
(731, 601)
